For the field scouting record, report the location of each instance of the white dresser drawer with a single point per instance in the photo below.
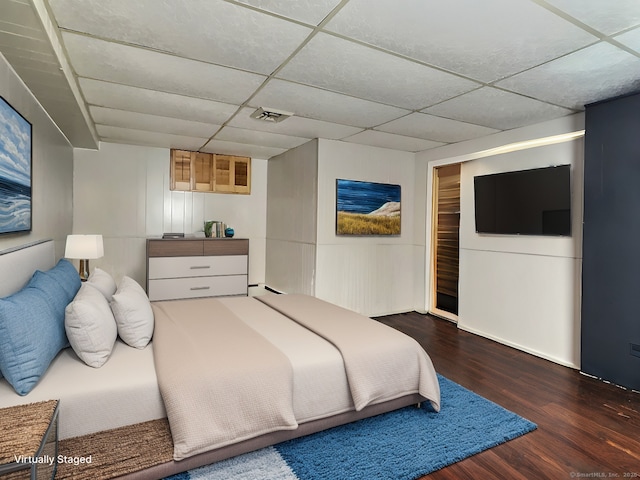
(198, 266)
(170, 288)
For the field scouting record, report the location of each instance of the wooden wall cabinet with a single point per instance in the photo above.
(210, 172)
(198, 267)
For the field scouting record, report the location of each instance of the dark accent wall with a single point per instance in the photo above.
(611, 242)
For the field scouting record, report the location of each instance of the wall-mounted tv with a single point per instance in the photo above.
(525, 202)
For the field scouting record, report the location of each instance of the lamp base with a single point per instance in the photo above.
(83, 270)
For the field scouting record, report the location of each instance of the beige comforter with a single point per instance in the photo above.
(381, 363)
(220, 380)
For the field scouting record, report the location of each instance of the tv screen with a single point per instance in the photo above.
(526, 202)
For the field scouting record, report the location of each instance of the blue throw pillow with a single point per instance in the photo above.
(65, 274)
(32, 325)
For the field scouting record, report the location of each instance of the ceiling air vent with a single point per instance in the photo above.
(270, 115)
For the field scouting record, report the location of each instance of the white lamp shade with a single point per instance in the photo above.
(84, 247)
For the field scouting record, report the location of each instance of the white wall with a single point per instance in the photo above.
(52, 168)
(371, 275)
(523, 291)
(291, 220)
(122, 192)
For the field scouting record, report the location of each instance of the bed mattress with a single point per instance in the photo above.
(122, 392)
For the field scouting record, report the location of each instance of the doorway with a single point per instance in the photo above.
(445, 241)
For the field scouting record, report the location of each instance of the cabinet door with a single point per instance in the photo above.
(181, 170)
(233, 174)
(242, 175)
(203, 172)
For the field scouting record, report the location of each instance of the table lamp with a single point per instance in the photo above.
(84, 248)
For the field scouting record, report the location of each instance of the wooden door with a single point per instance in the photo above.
(445, 241)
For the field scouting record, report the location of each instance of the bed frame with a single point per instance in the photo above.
(22, 263)
(173, 467)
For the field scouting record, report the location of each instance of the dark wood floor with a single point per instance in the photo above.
(586, 428)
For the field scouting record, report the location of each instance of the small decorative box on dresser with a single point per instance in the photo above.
(197, 267)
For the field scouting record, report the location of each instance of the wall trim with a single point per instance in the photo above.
(520, 347)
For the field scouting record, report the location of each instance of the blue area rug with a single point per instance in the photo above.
(401, 445)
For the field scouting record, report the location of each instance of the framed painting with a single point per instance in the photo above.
(367, 208)
(15, 170)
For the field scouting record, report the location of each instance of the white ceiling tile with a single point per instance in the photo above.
(6, 27)
(323, 105)
(498, 109)
(295, 126)
(606, 16)
(308, 11)
(151, 123)
(157, 71)
(209, 30)
(28, 44)
(69, 119)
(630, 39)
(17, 52)
(470, 37)
(243, 149)
(392, 141)
(592, 74)
(346, 67)
(32, 63)
(439, 129)
(266, 139)
(152, 139)
(48, 76)
(124, 97)
(20, 13)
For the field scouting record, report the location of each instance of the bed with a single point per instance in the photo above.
(231, 374)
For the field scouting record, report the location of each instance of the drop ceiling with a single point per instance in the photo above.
(408, 75)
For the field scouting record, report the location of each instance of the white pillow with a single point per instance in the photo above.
(90, 326)
(103, 282)
(133, 313)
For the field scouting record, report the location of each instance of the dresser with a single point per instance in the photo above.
(197, 267)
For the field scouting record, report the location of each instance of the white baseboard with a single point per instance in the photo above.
(522, 348)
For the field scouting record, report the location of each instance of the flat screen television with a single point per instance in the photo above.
(525, 202)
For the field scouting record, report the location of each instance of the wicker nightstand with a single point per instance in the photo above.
(29, 440)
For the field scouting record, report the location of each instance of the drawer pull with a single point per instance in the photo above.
(197, 267)
(200, 288)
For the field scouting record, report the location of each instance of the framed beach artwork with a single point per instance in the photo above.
(15, 170)
(367, 208)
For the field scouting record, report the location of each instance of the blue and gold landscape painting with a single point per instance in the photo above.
(367, 208)
(15, 170)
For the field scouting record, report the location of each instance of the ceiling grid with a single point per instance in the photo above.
(409, 75)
